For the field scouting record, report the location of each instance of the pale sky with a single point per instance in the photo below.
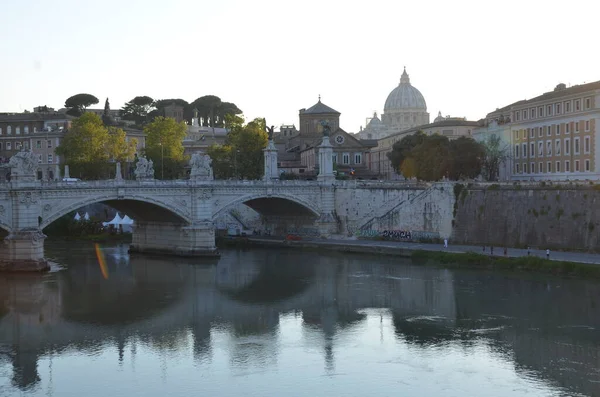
(274, 57)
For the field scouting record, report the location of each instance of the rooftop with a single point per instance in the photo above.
(319, 108)
(15, 117)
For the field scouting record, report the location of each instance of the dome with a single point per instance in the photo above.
(375, 122)
(405, 96)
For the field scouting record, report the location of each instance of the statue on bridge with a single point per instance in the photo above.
(144, 169)
(269, 130)
(23, 166)
(201, 167)
(326, 128)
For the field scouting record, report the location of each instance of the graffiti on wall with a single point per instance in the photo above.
(401, 235)
(303, 231)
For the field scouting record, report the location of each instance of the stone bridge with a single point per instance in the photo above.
(178, 216)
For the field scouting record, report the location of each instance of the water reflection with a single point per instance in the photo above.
(270, 312)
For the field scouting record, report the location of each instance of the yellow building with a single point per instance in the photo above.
(553, 136)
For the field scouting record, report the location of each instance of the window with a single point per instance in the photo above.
(34, 130)
(548, 148)
(517, 170)
(532, 113)
(524, 114)
(531, 132)
(334, 158)
(577, 105)
(516, 151)
(567, 166)
(517, 117)
(0, 130)
(557, 147)
(586, 145)
(39, 158)
(567, 128)
(18, 145)
(576, 145)
(557, 167)
(588, 103)
(587, 165)
(49, 143)
(567, 147)
(557, 108)
(49, 159)
(524, 150)
(532, 168)
(346, 158)
(38, 144)
(8, 130)
(577, 166)
(587, 125)
(577, 126)
(541, 132)
(516, 135)
(357, 158)
(524, 168)
(26, 145)
(548, 167)
(18, 131)
(524, 134)
(549, 110)
(541, 111)
(540, 148)
(540, 167)
(26, 129)
(549, 130)
(567, 107)
(8, 146)
(557, 129)
(532, 149)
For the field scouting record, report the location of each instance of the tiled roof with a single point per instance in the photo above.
(320, 108)
(15, 117)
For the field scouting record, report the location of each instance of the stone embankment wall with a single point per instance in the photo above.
(565, 216)
(396, 212)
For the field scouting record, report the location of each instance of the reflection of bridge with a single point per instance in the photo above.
(155, 302)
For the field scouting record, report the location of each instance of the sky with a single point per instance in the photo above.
(274, 57)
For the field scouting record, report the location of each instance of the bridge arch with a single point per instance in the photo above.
(267, 204)
(137, 206)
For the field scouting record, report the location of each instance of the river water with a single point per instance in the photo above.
(291, 323)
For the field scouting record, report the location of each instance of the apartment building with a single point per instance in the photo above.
(554, 135)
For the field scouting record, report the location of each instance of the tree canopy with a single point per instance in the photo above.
(78, 103)
(137, 109)
(89, 147)
(241, 156)
(496, 154)
(434, 157)
(164, 146)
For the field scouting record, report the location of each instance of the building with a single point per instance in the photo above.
(174, 111)
(200, 138)
(300, 152)
(404, 108)
(40, 132)
(497, 123)
(553, 136)
(451, 127)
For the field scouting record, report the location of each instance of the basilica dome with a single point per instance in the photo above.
(405, 96)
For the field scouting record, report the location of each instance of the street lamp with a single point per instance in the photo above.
(162, 161)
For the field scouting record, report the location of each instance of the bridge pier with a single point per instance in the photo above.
(174, 239)
(23, 251)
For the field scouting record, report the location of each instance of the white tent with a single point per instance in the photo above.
(86, 216)
(116, 221)
(77, 216)
(126, 220)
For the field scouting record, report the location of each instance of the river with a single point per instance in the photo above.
(291, 323)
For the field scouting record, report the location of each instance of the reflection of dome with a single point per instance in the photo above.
(405, 96)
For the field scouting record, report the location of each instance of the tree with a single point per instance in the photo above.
(137, 109)
(226, 109)
(207, 106)
(164, 146)
(247, 143)
(106, 118)
(88, 147)
(467, 158)
(162, 103)
(402, 149)
(222, 161)
(408, 168)
(496, 154)
(432, 158)
(78, 103)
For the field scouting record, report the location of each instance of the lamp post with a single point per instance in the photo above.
(235, 164)
(162, 161)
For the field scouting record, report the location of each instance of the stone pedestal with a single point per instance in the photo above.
(270, 156)
(118, 174)
(326, 161)
(67, 175)
(174, 239)
(23, 251)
